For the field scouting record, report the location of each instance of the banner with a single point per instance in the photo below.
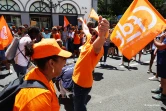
(66, 22)
(5, 34)
(139, 25)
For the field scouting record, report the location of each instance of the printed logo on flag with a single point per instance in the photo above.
(127, 29)
(138, 26)
(4, 33)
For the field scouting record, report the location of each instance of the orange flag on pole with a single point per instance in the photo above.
(66, 22)
(93, 15)
(5, 34)
(139, 25)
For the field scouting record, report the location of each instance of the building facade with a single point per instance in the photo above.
(45, 13)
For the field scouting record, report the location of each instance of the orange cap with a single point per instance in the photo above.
(48, 47)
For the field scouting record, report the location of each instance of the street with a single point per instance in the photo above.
(116, 88)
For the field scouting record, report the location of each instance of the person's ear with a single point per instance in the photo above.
(51, 63)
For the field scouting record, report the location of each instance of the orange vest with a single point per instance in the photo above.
(86, 63)
(36, 99)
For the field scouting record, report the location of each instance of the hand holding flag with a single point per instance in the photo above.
(103, 26)
(95, 16)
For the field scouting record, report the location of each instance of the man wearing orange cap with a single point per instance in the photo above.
(50, 59)
(90, 54)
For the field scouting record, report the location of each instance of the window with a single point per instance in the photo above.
(68, 8)
(43, 21)
(39, 7)
(9, 5)
(13, 20)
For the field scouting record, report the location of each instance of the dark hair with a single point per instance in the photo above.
(33, 32)
(90, 24)
(46, 29)
(20, 28)
(39, 62)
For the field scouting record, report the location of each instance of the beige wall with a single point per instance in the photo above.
(83, 7)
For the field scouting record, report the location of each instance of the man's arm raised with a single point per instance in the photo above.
(103, 26)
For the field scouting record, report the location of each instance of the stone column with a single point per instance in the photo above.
(25, 18)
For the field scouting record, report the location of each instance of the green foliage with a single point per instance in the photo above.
(118, 7)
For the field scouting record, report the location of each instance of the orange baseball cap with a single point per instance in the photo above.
(48, 47)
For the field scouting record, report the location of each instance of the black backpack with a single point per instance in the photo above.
(7, 95)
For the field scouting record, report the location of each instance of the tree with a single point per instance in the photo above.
(159, 5)
(118, 7)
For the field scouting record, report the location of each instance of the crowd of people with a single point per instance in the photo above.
(48, 49)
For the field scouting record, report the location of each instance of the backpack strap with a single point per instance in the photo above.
(33, 84)
(22, 53)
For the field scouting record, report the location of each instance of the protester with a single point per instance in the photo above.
(46, 34)
(152, 57)
(70, 39)
(13, 30)
(90, 25)
(3, 61)
(21, 61)
(20, 32)
(124, 59)
(161, 63)
(64, 37)
(65, 82)
(49, 65)
(76, 43)
(26, 26)
(111, 50)
(59, 41)
(55, 34)
(106, 47)
(91, 52)
(139, 58)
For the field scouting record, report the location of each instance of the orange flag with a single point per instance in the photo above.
(66, 22)
(140, 24)
(5, 34)
(93, 15)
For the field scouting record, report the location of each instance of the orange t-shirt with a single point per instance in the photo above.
(76, 39)
(36, 99)
(56, 36)
(86, 63)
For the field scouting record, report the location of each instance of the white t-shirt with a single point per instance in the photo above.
(71, 34)
(20, 59)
